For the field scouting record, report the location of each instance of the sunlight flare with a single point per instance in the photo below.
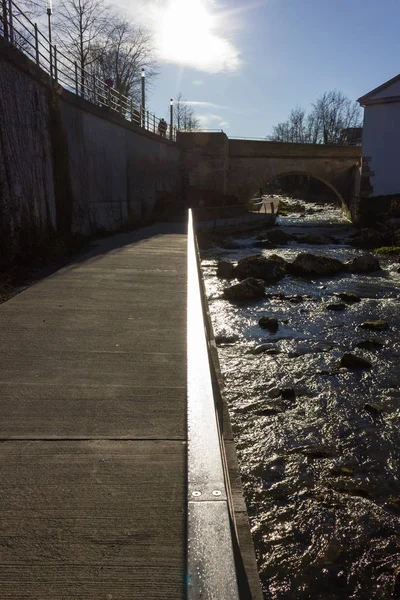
(189, 34)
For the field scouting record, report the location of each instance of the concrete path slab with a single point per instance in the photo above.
(93, 423)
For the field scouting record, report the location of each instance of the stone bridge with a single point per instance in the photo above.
(213, 164)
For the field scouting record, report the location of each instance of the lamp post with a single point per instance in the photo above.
(171, 118)
(143, 99)
(49, 11)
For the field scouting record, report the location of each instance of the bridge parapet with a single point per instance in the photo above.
(212, 164)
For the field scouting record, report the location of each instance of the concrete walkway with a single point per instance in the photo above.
(93, 424)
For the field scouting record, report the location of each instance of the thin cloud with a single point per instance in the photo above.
(212, 121)
(201, 103)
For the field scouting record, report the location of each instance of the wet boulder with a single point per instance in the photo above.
(277, 236)
(363, 264)
(314, 239)
(288, 394)
(309, 265)
(248, 289)
(336, 306)
(222, 339)
(370, 238)
(378, 325)
(260, 267)
(370, 344)
(349, 297)
(269, 323)
(352, 361)
(225, 269)
(261, 348)
(278, 259)
(264, 243)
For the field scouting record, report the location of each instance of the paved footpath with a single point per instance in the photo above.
(93, 426)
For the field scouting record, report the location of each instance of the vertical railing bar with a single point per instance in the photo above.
(5, 18)
(55, 63)
(10, 22)
(51, 60)
(37, 44)
(76, 79)
(94, 89)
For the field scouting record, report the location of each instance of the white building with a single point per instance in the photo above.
(380, 140)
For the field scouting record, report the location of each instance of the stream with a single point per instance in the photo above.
(318, 444)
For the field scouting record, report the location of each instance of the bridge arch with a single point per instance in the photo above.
(214, 164)
(306, 174)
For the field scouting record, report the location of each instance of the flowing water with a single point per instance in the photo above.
(320, 460)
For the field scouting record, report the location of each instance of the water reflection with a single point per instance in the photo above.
(319, 445)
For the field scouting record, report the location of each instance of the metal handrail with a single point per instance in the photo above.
(211, 566)
(17, 28)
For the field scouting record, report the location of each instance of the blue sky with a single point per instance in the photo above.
(245, 65)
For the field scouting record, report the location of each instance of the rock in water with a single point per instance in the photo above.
(264, 348)
(312, 264)
(336, 306)
(363, 264)
(349, 297)
(288, 394)
(351, 361)
(313, 239)
(370, 344)
(225, 339)
(225, 269)
(277, 236)
(278, 259)
(248, 289)
(264, 244)
(256, 265)
(378, 325)
(270, 323)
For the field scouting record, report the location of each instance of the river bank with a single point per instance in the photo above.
(318, 443)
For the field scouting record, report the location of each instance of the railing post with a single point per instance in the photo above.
(36, 44)
(109, 97)
(131, 109)
(5, 18)
(148, 124)
(76, 79)
(51, 60)
(154, 123)
(55, 64)
(10, 22)
(120, 102)
(94, 89)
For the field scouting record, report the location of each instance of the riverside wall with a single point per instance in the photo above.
(69, 167)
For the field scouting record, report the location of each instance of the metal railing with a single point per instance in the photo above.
(18, 29)
(213, 561)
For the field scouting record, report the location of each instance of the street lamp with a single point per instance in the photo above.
(143, 98)
(49, 10)
(171, 117)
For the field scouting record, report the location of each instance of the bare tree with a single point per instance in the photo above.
(294, 130)
(332, 113)
(124, 53)
(184, 116)
(83, 26)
